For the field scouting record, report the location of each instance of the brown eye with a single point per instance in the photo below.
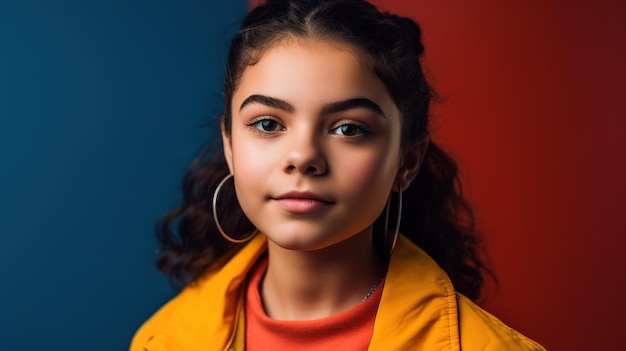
(348, 130)
(268, 125)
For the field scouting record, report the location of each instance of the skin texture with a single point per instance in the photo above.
(315, 152)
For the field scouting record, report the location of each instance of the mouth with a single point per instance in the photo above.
(302, 202)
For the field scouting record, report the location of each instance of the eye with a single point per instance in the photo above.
(267, 125)
(349, 129)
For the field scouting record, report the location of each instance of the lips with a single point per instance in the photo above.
(302, 202)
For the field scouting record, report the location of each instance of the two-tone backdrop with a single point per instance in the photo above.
(102, 107)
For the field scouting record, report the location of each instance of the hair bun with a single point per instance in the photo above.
(408, 32)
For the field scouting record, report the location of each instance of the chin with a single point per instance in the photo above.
(299, 242)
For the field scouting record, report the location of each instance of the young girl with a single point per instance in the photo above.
(329, 220)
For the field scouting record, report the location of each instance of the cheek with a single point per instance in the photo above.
(369, 172)
(250, 170)
(245, 162)
(250, 159)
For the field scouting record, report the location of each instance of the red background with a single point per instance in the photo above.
(534, 111)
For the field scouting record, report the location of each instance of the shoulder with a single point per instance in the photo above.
(145, 333)
(205, 312)
(150, 332)
(421, 307)
(190, 319)
(480, 330)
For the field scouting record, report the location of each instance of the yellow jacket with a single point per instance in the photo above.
(419, 310)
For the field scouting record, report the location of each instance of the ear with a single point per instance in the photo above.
(228, 147)
(410, 164)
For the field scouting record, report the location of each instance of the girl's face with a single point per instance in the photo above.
(314, 145)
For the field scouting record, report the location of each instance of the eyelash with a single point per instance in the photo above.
(255, 125)
(362, 130)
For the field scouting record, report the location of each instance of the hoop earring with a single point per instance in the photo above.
(217, 222)
(398, 220)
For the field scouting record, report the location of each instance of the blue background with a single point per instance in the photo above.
(102, 108)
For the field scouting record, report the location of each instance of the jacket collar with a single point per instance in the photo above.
(417, 308)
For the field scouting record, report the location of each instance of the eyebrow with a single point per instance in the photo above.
(353, 103)
(267, 101)
(334, 107)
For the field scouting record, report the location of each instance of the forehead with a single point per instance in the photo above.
(309, 71)
(316, 44)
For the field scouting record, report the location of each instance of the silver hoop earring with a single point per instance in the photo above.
(217, 222)
(398, 220)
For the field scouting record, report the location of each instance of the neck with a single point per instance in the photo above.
(304, 285)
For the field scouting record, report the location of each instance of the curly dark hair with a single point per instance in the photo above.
(436, 217)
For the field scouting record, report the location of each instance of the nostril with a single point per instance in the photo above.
(307, 159)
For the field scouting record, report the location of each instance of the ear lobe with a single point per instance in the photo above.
(412, 160)
(228, 148)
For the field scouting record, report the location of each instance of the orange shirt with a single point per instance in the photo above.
(348, 330)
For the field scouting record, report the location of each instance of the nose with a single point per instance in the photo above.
(305, 155)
